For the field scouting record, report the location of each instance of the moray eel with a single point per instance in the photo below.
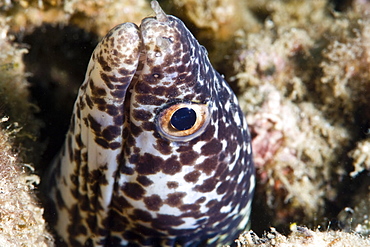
(158, 152)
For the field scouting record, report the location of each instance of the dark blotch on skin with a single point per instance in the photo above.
(172, 184)
(126, 170)
(119, 223)
(85, 121)
(91, 221)
(89, 102)
(188, 158)
(134, 158)
(131, 141)
(209, 133)
(159, 90)
(173, 92)
(121, 203)
(70, 149)
(76, 229)
(189, 207)
(175, 199)
(153, 202)
(185, 148)
(72, 126)
(141, 115)
(171, 166)
(141, 215)
(123, 71)
(222, 188)
(148, 126)
(185, 58)
(211, 203)
(93, 123)
(142, 88)
(163, 146)
(133, 190)
(103, 63)
(111, 132)
(96, 91)
(200, 200)
(79, 141)
(231, 146)
(130, 235)
(102, 142)
(208, 165)
(135, 130)
(182, 68)
(115, 145)
(101, 107)
(192, 177)
(145, 181)
(149, 100)
(147, 231)
(148, 164)
(123, 168)
(98, 176)
(118, 94)
(212, 147)
(111, 110)
(164, 221)
(77, 156)
(221, 170)
(118, 120)
(207, 186)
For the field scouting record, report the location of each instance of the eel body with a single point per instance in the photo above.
(158, 152)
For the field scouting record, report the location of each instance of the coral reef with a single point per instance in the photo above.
(98, 16)
(304, 88)
(301, 236)
(361, 157)
(21, 217)
(14, 95)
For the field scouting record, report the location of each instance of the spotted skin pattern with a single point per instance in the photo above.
(119, 180)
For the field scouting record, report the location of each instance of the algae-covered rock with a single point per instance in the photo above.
(21, 216)
(302, 237)
(304, 80)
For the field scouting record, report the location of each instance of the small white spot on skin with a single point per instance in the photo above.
(249, 148)
(252, 181)
(225, 209)
(197, 147)
(240, 177)
(237, 119)
(227, 106)
(224, 144)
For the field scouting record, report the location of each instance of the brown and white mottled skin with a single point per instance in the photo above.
(126, 176)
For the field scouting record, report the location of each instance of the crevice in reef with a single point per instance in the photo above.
(57, 61)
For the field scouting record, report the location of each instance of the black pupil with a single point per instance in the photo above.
(183, 119)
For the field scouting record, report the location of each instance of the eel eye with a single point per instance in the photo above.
(183, 121)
